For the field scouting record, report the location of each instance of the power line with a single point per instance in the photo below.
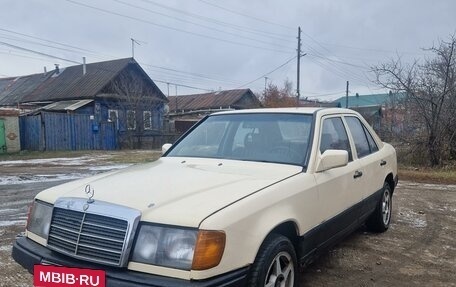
(71, 61)
(262, 76)
(338, 61)
(187, 77)
(38, 53)
(173, 28)
(180, 85)
(46, 40)
(9, 53)
(316, 95)
(199, 25)
(245, 15)
(40, 44)
(96, 53)
(269, 34)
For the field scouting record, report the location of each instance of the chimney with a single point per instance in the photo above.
(57, 71)
(45, 71)
(84, 68)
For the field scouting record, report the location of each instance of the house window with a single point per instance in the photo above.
(113, 116)
(147, 118)
(131, 120)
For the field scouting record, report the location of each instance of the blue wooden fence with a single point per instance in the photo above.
(55, 131)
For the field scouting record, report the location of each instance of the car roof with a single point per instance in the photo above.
(299, 110)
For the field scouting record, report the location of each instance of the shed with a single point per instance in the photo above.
(186, 110)
(9, 130)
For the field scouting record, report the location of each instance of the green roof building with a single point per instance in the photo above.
(359, 101)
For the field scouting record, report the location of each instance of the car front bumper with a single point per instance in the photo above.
(28, 253)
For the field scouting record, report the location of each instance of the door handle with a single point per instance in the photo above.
(357, 174)
(383, 162)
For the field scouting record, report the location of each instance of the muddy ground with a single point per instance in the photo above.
(418, 250)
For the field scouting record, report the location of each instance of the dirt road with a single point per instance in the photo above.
(418, 250)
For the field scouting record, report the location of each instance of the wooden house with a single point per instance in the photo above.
(92, 101)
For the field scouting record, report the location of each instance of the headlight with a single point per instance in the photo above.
(40, 219)
(180, 248)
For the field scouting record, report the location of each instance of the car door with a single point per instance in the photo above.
(369, 158)
(338, 189)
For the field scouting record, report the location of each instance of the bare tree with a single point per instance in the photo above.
(136, 99)
(275, 97)
(431, 100)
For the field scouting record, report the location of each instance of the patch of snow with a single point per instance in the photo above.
(451, 187)
(6, 248)
(411, 218)
(108, 167)
(28, 178)
(9, 210)
(6, 223)
(32, 178)
(51, 161)
(17, 202)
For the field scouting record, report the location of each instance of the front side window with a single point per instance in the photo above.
(265, 137)
(359, 136)
(334, 136)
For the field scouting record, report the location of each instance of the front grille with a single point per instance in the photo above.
(93, 237)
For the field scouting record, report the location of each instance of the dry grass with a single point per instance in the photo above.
(445, 175)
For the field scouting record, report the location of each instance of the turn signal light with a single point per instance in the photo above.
(209, 249)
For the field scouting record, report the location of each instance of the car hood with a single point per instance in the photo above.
(177, 191)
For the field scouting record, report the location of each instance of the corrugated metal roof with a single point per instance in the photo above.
(369, 100)
(214, 100)
(66, 105)
(69, 83)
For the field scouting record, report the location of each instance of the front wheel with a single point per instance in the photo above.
(275, 264)
(380, 220)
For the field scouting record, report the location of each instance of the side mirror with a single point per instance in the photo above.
(166, 147)
(332, 158)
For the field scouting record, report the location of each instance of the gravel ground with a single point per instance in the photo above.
(418, 250)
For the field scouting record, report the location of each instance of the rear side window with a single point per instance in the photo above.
(334, 136)
(372, 144)
(364, 142)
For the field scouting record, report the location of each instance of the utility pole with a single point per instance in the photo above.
(346, 96)
(298, 67)
(167, 84)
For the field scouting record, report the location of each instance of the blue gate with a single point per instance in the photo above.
(56, 131)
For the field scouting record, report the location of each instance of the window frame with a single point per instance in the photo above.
(344, 125)
(150, 127)
(364, 129)
(128, 122)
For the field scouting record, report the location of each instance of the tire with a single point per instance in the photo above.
(380, 220)
(275, 264)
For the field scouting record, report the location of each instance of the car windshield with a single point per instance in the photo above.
(264, 137)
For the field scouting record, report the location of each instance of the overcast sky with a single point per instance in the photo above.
(221, 44)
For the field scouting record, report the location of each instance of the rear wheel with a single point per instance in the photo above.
(380, 220)
(275, 264)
